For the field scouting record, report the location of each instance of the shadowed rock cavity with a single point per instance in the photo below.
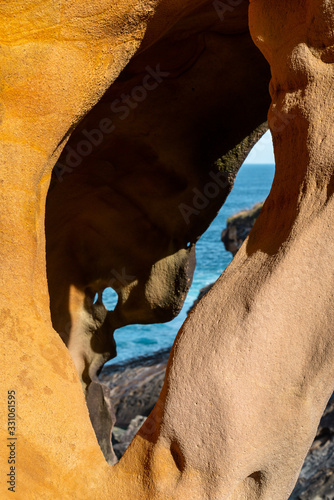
(140, 180)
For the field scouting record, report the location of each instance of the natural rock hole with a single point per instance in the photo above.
(109, 298)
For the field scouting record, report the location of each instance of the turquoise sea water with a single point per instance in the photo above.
(252, 185)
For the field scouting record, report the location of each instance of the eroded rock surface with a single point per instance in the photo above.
(135, 387)
(262, 335)
(143, 176)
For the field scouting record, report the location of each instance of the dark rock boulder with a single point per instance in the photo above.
(238, 228)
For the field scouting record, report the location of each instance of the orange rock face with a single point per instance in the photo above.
(251, 369)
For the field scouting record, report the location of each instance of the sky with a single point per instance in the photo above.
(263, 151)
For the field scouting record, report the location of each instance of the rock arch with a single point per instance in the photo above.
(256, 353)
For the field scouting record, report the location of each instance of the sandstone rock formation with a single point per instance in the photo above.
(262, 335)
(143, 176)
(135, 384)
